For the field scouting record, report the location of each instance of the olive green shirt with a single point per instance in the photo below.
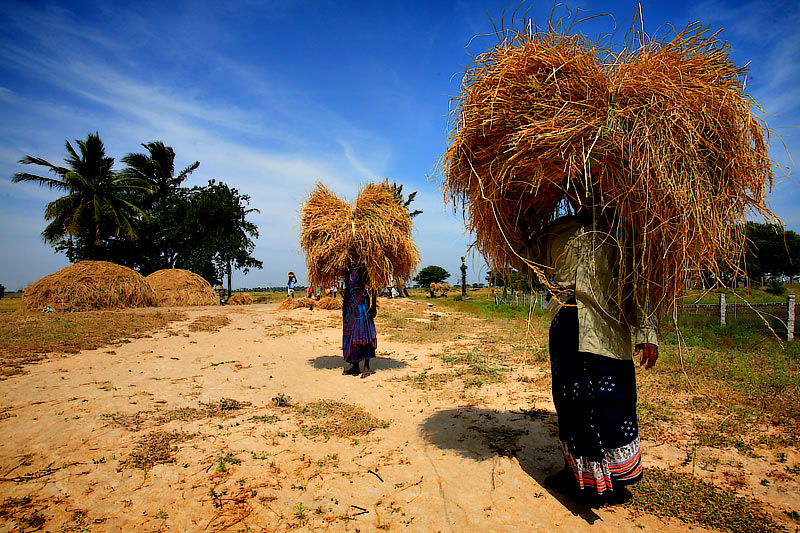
(585, 261)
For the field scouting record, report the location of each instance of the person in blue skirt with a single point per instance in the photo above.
(359, 338)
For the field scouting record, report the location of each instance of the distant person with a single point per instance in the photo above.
(291, 285)
(359, 338)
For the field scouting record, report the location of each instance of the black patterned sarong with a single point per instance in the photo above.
(595, 398)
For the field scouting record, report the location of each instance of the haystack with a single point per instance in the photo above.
(375, 232)
(329, 303)
(240, 298)
(293, 303)
(658, 142)
(89, 286)
(178, 287)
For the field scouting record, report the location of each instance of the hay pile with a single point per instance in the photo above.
(293, 303)
(240, 298)
(175, 286)
(375, 231)
(658, 143)
(329, 303)
(88, 286)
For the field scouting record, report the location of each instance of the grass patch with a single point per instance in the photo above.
(10, 302)
(156, 448)
(428, 381)
(687, 498)
(28, 337)
(476, 369)
(211, 323)
(330, 418)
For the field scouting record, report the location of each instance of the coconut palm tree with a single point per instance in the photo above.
(99, 202)
(157, 169)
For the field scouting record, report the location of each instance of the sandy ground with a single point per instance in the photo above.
(442, 464)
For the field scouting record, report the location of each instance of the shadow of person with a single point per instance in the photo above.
(329, 362)
(531, 436)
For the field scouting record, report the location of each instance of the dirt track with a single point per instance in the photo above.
(451, 459)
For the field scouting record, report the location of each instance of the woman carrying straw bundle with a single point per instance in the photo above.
(591, 360)
(359, 337)
(366, 243)
(656, 158)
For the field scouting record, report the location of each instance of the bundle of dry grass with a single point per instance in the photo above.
(293, 303)
(375, 231)
(659, 144)
(240, 298)
(88, 286)
(178, 287)
(329, 303)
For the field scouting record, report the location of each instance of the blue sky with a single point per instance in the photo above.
(272, 96)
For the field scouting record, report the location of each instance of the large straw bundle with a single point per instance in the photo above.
(175, 286)
(240, 298)
(659, 144)
(87, 286)
(375, 232)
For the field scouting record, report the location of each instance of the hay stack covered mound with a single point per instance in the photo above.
(375, 231)
(240, 298)
(658, 143)
(89, 286)
(175, 286)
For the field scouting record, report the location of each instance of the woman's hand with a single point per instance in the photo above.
(649, 354)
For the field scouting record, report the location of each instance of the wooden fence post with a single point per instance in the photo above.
(722, 309)
(790, 304)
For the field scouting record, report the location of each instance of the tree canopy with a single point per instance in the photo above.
(99, 202)
(771, 250)
(431, 274)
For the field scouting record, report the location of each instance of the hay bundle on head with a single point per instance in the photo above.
(375, 232)
(657, 144)
(175, 286)
(89, 286)
(240, 298)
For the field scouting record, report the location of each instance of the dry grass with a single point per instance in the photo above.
(224, 408)
(657, 143)
(89, 286)
(330, 418)
(177, 287)
(27, 337)
(240, 298)
(374, 232)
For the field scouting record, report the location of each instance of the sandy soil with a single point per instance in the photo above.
(451, 459)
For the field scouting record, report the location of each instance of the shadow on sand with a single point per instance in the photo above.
(329, 362)
(530, 436)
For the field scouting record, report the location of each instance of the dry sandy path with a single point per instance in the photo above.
(436, 467)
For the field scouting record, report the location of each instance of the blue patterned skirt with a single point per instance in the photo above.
(359, 338)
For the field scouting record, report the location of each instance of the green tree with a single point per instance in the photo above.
(771, 250)
(511, 278)
(431, 274)
(157, 168)
(216, 231)
(2, 291)
(397, 191)
(99, 202)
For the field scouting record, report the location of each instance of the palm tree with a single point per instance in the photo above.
(397, 191)
(157, 169)
(98, 200)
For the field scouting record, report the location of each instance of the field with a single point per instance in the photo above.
(239, 419)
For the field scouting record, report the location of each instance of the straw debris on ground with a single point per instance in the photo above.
(658, 142)
(330, 418)
(178, 287)
(89, 286)
(375, 231)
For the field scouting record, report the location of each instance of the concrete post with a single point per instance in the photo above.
(722, 309)
(790, 303)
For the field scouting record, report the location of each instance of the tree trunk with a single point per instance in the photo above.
(95, 241)
(229, 278)
(463, 280)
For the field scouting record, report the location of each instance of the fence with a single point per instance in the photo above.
(773, 317)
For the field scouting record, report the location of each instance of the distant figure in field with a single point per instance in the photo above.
(401, 288)
(445, 289)
(290, 285)
(433, 288)
(359, 338)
